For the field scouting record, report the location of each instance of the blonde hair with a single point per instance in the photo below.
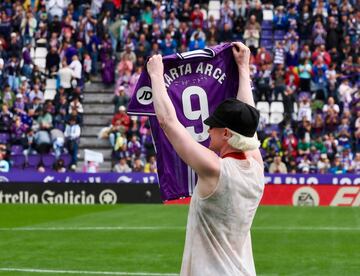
(242, 142)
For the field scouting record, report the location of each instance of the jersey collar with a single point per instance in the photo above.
(236, 155)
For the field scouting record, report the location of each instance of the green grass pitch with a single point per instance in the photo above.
(149, 239)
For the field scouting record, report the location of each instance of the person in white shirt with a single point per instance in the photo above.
(346, 93)
(65, 75)
(122, 166)
(229, 187)
(36, 92)
(72, 135)
(55, 7)
(331, 105)
(76, 66)
(304, 109)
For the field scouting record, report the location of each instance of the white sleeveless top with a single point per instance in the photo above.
(218, 241)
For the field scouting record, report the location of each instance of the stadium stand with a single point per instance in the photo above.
(63, 61)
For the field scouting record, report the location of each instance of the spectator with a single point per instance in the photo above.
(122, 166)
(134, 146)
(119, 124)
(336, 166)
(29, 143)
(4, 164)
(252, 32)
(12, 71)
(319, 33)
(168, 45)
(58, 141)
(292, 78)
(317, 127)
(331, 105)
(151, 166)
(304, 146)
(42, 141)
(52, 60)
(65, 76)
(323, 164)
(61, 110)
(196, 42)
(263, 57)
(292, 57)
(55, 8)
(356, 163)
(138, 165)
(290, 144)
(304, 109)
(264, 83)
(28, 26)
(333, 33)
(76, 67)
(280, 18)
(108, 70)
(59, 166)
(305, 71)
(197, 17)
(279, 53)
(304, 164)
(277, 166)
(44, 119)
(36, 92)
(91, 167)
(72, 136)
(272, 143)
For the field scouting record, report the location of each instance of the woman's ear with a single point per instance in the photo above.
(227, 134)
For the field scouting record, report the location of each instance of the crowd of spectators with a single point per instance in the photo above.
(312, 64)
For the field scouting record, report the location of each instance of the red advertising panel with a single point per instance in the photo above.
(311, 195)
(304, 195)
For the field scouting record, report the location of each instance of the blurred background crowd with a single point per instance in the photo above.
(304, 69)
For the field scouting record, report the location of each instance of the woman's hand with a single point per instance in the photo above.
(155, 66)
(241, 54)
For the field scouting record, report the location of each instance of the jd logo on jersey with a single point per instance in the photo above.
(144, 95)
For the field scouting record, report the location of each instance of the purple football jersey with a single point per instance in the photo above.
(196, 82)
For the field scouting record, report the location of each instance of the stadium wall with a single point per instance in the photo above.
(114, 188)
(78, 193)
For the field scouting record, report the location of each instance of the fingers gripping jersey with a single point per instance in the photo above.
(196, 82)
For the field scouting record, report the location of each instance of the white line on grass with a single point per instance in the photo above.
(31, 270)
(160, 228)
(95, 228)
(305, 228)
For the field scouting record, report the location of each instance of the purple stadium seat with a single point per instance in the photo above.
(279, 35)
(66, 158)
(267, 25)
(4, 138)
(16, 149)
(14, 170)
(266, 34)
(48, 160)
(17, 160)
(267, 43)
(33, 161)
(304, 94)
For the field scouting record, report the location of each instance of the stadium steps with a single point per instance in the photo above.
(98, 112)
(98, 97)
(99, 108)
(103, 167)
(91, 130)
(97, 119)
(93, 142)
